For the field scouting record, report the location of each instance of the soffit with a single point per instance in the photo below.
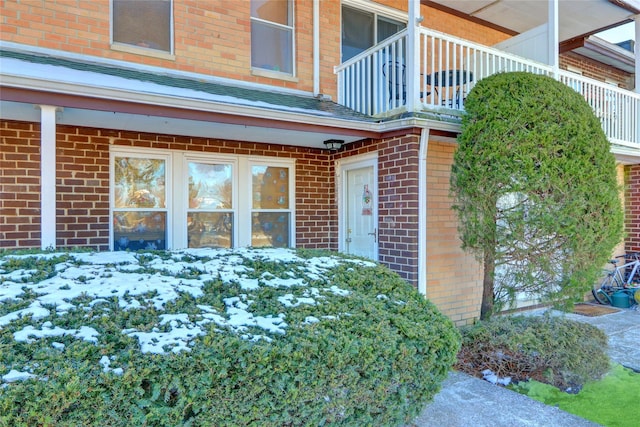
(577, 17)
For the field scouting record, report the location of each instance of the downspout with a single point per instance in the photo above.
(47, 176)
(422, 212)
(316, 48)
(553, 36)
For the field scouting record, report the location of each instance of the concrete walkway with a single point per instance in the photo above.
(466, 401)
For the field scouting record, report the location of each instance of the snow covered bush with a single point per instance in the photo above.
(264, 337)
(550, 349)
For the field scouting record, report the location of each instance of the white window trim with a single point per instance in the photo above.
(377, 9)
(246, 203)
(157, 53)
(177, 198)
(181, 183)
(278, 74)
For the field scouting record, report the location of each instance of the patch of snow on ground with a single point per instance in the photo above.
(36, 311)
(29, 334)
(14, 375)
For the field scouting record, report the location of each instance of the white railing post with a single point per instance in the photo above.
(553, 37)
(413, 53)
(637, 81)
(637, 52)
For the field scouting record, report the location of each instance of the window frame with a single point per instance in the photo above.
(140, 154)
(148, 51)
(177, 197)
(250, 210)
(378, 12)
(291, 28)
(182, 183)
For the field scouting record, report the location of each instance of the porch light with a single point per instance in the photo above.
(334, 144)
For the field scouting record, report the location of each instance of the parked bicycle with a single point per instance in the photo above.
(623, 278)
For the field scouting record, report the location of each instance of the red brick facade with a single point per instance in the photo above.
(82, 187)
(19, 184)
(82, 183)
(632, 212)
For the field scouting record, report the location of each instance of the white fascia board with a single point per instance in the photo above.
(419, 123)
(313, 117)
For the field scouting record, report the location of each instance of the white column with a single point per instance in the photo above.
(553, 37)
(637, 52)
(316, 47)
(413, 55)
(48, 176)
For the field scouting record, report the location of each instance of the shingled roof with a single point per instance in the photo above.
(231, 94)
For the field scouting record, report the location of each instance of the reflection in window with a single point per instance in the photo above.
(210, 229)
(139, 183)
(272, 35)
(143, 23)
(271, 217)
(270, 229)
(210, 216)
(139, 213)
(270, 187)
(139, 230)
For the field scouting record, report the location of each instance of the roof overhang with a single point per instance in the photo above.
(87, 98)
(577, 19)
(602, 51)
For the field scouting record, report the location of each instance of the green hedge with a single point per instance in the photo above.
(550, 349)
(376, 358)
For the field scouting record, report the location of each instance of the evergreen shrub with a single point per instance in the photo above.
(550, 349)
(373, 357)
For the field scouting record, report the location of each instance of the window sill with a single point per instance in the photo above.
(121, 47)
(273, 75)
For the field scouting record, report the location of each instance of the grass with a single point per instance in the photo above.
(612, 401)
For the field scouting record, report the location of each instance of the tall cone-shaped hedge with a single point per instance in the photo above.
(535, 189)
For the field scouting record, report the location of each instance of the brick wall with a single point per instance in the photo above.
(596, 70)
(454, 278)
(211, 37)
(19, 184)
(82, 183)
(82, 187)
(632, 205)
(398, 200)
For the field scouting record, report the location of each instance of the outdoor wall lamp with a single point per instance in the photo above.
(334, 144)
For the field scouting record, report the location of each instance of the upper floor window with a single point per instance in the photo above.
(272, 35)
(362, 29)
(143, 23)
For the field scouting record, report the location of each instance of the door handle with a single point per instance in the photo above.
(375, 235)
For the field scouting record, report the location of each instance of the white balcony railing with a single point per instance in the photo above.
(375, 81)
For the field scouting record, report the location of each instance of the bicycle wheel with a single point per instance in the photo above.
(602, 292)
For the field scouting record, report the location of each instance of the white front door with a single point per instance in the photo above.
(359, 208)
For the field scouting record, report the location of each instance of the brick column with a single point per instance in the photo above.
(398, 214)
